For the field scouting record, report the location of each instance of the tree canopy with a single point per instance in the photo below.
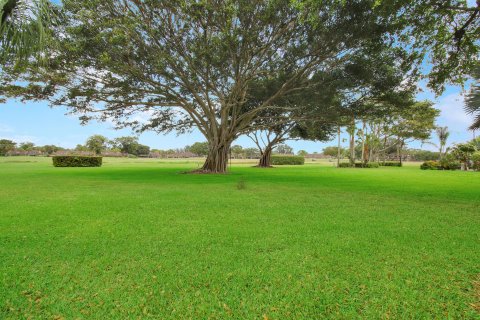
(192, 64)
(189, 64)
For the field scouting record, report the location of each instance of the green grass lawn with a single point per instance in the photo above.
(136, 239)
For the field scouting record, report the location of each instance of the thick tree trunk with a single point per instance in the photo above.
(363, 141)
(217, 158)
(352, 148)
(338, 147)
(352, 142)
(265, 158)
(400, 152)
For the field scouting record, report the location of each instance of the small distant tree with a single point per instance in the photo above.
(302, 153)
(251, 153)
(142, 150)
(27, 146)
(333, 151)
(442, 134)
(97, 143)
(414, 123)
(126, 145)
(237, 151)
(284, 149)
(81, 148)
(6, 146)
(198, 148)
(50, 149)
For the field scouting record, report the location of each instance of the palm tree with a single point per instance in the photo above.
(472, 101)
(23, 29)
(443, 134)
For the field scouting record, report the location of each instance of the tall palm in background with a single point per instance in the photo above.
(24, 29)
(442, 134)
(472, 101)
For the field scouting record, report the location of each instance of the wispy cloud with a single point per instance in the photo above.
(5, 128)
(452, 113)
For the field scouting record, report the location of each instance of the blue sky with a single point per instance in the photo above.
(40, 124)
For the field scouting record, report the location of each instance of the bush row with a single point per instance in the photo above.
(440, 165)
(390, 164)
(76, 161)
(359, 165)
(287, 160)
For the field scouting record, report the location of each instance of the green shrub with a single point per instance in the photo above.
(359, 165)
(367, 165)
(390, 164)
(344, 165)
(450, 163)
(476, 161)
(430, 165)
(76, 161)
(287, 160)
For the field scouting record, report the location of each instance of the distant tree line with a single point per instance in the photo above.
(127, 146)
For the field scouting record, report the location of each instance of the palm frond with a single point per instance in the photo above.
(472, 102)
(24, 29)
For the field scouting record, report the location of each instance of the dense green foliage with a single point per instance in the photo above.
(476, 161)
(449, 162)
(430, 165)
(134, 239)
(76, 161)
(287, 160)
(463, 152)
(6, 146)
(444, 164)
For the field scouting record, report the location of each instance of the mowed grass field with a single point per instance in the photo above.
(136, 239)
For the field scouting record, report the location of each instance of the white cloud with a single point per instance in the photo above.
(25, 138)
(452, 113)
(5, 128)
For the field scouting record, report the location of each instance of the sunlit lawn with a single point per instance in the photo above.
(138, 239)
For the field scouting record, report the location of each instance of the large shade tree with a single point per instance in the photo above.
(376, 73)
(190, 64)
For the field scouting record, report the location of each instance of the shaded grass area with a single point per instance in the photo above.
(136, 239)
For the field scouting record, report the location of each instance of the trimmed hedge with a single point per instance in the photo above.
(390, 164)
(367, 165)
(343, 165)
(287, 160)
(359, 165)
(76, 161)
